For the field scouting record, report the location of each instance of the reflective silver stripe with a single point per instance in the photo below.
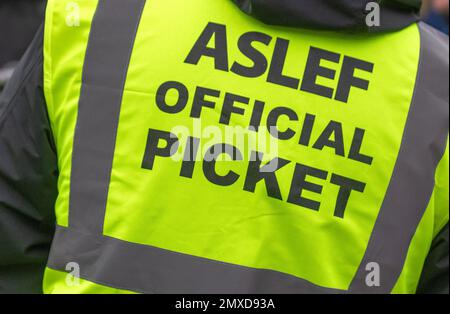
(146, 269)
(413, 179)
(106, 63)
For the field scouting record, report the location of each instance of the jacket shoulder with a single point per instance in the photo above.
(435, 46)
(433, 75)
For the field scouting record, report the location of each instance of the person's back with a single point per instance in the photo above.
(292, 149)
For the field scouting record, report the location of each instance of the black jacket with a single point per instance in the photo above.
(28, 160)
(24, 17)
(19, 21)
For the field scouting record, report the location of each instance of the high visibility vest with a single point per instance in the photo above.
(203, 151)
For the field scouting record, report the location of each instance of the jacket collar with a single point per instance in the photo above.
(337, 15)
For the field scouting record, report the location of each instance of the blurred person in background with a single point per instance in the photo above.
(19, 21)
(436, 13)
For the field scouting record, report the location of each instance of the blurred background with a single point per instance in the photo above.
(20, 19)
(435, 13)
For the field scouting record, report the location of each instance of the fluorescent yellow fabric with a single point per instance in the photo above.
(63, 283)
(194, 216)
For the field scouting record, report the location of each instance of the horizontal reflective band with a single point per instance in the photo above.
(146, 269)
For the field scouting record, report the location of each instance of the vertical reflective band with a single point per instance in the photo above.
(107, 58)
(146, 269)
(413, 180)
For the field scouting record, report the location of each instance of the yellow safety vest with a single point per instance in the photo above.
(203, 151)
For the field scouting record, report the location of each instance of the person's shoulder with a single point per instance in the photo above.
(435, 45)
